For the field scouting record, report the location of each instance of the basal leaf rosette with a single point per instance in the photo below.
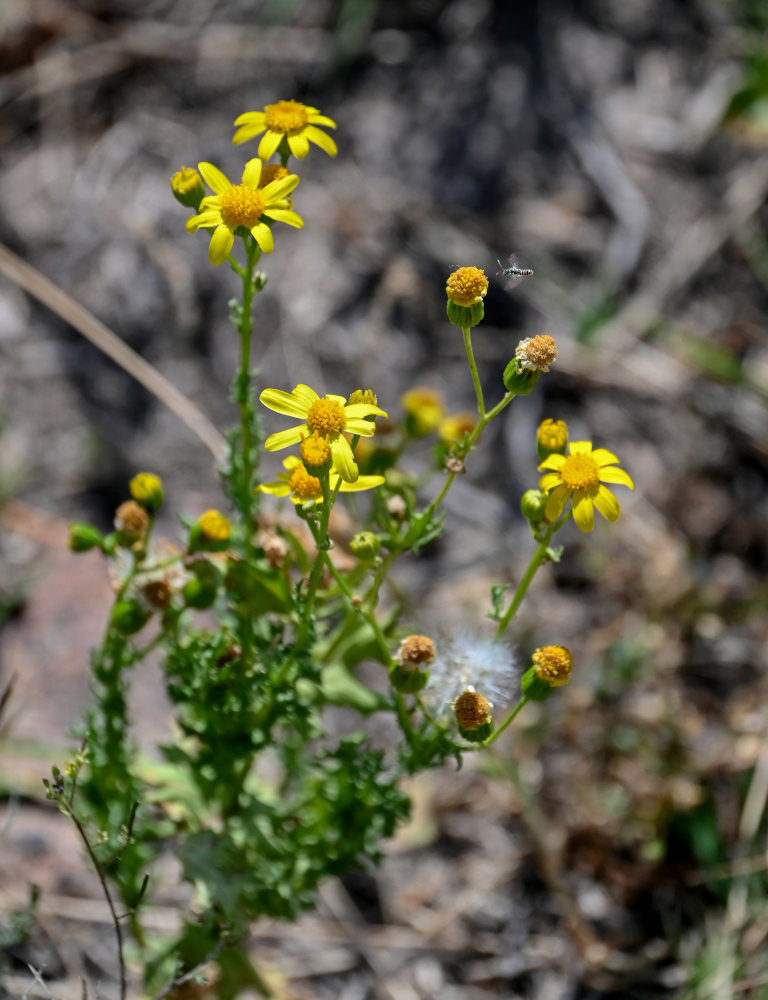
(286, 120)
(579, 477)
(243, 206)
(298, 484)
(328, 416)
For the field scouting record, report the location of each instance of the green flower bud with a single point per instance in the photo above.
(200, 592)
(464, 316)
(407, 680)
(519, 382)
(83, 537)
(365, 545)
(129, 616)
(147, 489)
(473, 716)
(188, 188)
(532, 504)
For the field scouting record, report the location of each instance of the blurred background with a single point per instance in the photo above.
(621, 150)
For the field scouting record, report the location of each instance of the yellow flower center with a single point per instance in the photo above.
(471, 710)
(417, 649)
(214, 525)
(326, 417)
(288, 117)
(315, 451)
(553, 664)
(552, 434)
(272, 172)
(242, 205)
(305, 487)
(580, 472)
(466, 286)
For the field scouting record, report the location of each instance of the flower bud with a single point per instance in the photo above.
(129, 616)
(423, 408)
(365, 545)
(532, 505)
(83, 537)
(210, 532)
(473, 716)
(551, 668)
(200, 592)
(187, 187)
(551, 438)
(147, 489)
(407, 673)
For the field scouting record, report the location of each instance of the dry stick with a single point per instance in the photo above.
(38, 286)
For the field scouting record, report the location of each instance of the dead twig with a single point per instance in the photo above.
(54, 298)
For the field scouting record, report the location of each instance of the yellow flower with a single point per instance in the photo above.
(297, 483)
(423, 408)
(214, 525)
(466, 286)
(580, 476)
(553, 664)
(457, 426)
(242, 205)
(330, 416)
(289, 120)
(147, 489)
(552, 435)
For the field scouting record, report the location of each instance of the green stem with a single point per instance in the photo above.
(369, 617)
(244, 401)
(539, 557)
(512, 715)
(473, 368)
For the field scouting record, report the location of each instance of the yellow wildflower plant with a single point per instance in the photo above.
(580, 476)
(297, 483)
(296, 123)
(242, 206)
(331, 416)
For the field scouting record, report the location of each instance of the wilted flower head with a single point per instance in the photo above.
(468, 659)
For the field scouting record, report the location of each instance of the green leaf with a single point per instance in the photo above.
(340, 687)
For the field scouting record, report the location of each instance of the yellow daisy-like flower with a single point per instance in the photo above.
(330, 416)
(297, 483)
(243, 205)
(466, 286)
(580, 476)
(289, 120)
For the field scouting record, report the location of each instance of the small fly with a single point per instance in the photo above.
(513, 271)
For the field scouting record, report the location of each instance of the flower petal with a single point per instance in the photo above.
(274, 489)
(550, 481)
(298, 145)
(284, 439)
(263, 236)
(364, 428)
(214, 178)
(583, 511)
(205, 220)
(252, 172)
(556, 502)
(269, 144)
(580, 447)
(604, 457)
(305, 393)
(220, 245)
(321, 139)
(554, 461)
(607, 503)
(362, 483)
(283, 215)
(277, 190)
(292, 404)
(364, 410)
(608, 474)
(251, 118)
(247, 132)
(315, 119)
(343, 459)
